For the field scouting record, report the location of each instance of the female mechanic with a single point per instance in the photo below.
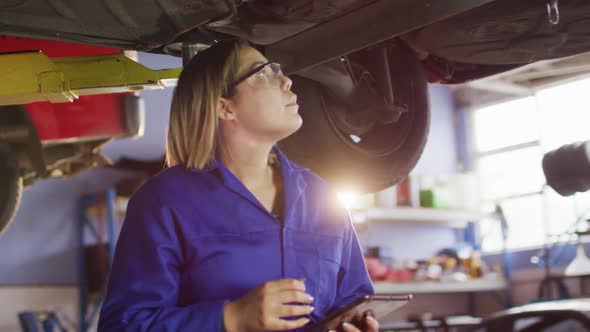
(233, 236)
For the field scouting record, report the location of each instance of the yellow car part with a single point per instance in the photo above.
(32, 77)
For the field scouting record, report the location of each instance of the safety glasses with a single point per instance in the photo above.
(264, 75)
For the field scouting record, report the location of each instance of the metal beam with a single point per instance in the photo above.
(548, 82)
(537, 69)
(364, 27)
(502, 87)
(552, 71)
(32, 77)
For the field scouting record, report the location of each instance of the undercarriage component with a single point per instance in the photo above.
(507, 32)
(44, 140)
(19, 134)
(128, 24)
(362, 28)
(356, 145)
(11, 187)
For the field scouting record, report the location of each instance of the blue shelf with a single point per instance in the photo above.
(89, 309)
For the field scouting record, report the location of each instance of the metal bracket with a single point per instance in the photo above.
(553, 11)
(52, 89)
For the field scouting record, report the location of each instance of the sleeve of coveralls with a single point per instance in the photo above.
(143, 284)
(353, 278)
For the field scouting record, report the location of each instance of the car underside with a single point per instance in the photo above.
(360, 67)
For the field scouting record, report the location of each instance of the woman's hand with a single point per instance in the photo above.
(262, 308)
(369, 325)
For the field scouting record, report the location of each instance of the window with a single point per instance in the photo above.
(510, 140)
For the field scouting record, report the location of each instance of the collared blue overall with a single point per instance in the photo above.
(195, 239)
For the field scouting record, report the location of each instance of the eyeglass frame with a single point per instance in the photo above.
(248, 74)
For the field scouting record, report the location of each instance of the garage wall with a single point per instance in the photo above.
(440, 153)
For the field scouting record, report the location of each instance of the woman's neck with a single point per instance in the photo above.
(248, 162)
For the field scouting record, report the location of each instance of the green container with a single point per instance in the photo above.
(435, 198)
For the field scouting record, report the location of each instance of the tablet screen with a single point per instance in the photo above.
(379, 306)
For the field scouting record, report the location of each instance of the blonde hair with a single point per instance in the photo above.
(193, 129)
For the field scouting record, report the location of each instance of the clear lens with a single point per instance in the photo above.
(269, 75)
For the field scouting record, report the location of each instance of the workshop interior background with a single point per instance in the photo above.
(436, 236)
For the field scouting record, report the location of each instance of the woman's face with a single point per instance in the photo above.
(263, 105)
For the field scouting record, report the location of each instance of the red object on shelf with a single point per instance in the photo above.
(377, 270)
(399, 275)
(404, 194)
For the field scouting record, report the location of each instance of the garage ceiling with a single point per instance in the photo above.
(521, 82)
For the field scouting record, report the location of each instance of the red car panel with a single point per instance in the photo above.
(88, 116)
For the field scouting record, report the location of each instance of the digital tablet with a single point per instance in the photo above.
(378, 306)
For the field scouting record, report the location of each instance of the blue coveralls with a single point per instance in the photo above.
(194, 239)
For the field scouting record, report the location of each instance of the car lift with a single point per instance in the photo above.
(32, 77)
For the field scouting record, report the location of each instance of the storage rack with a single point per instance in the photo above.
(449, 217)
(88, 310)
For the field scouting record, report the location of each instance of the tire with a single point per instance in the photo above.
(11, 188)
(386, 153)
